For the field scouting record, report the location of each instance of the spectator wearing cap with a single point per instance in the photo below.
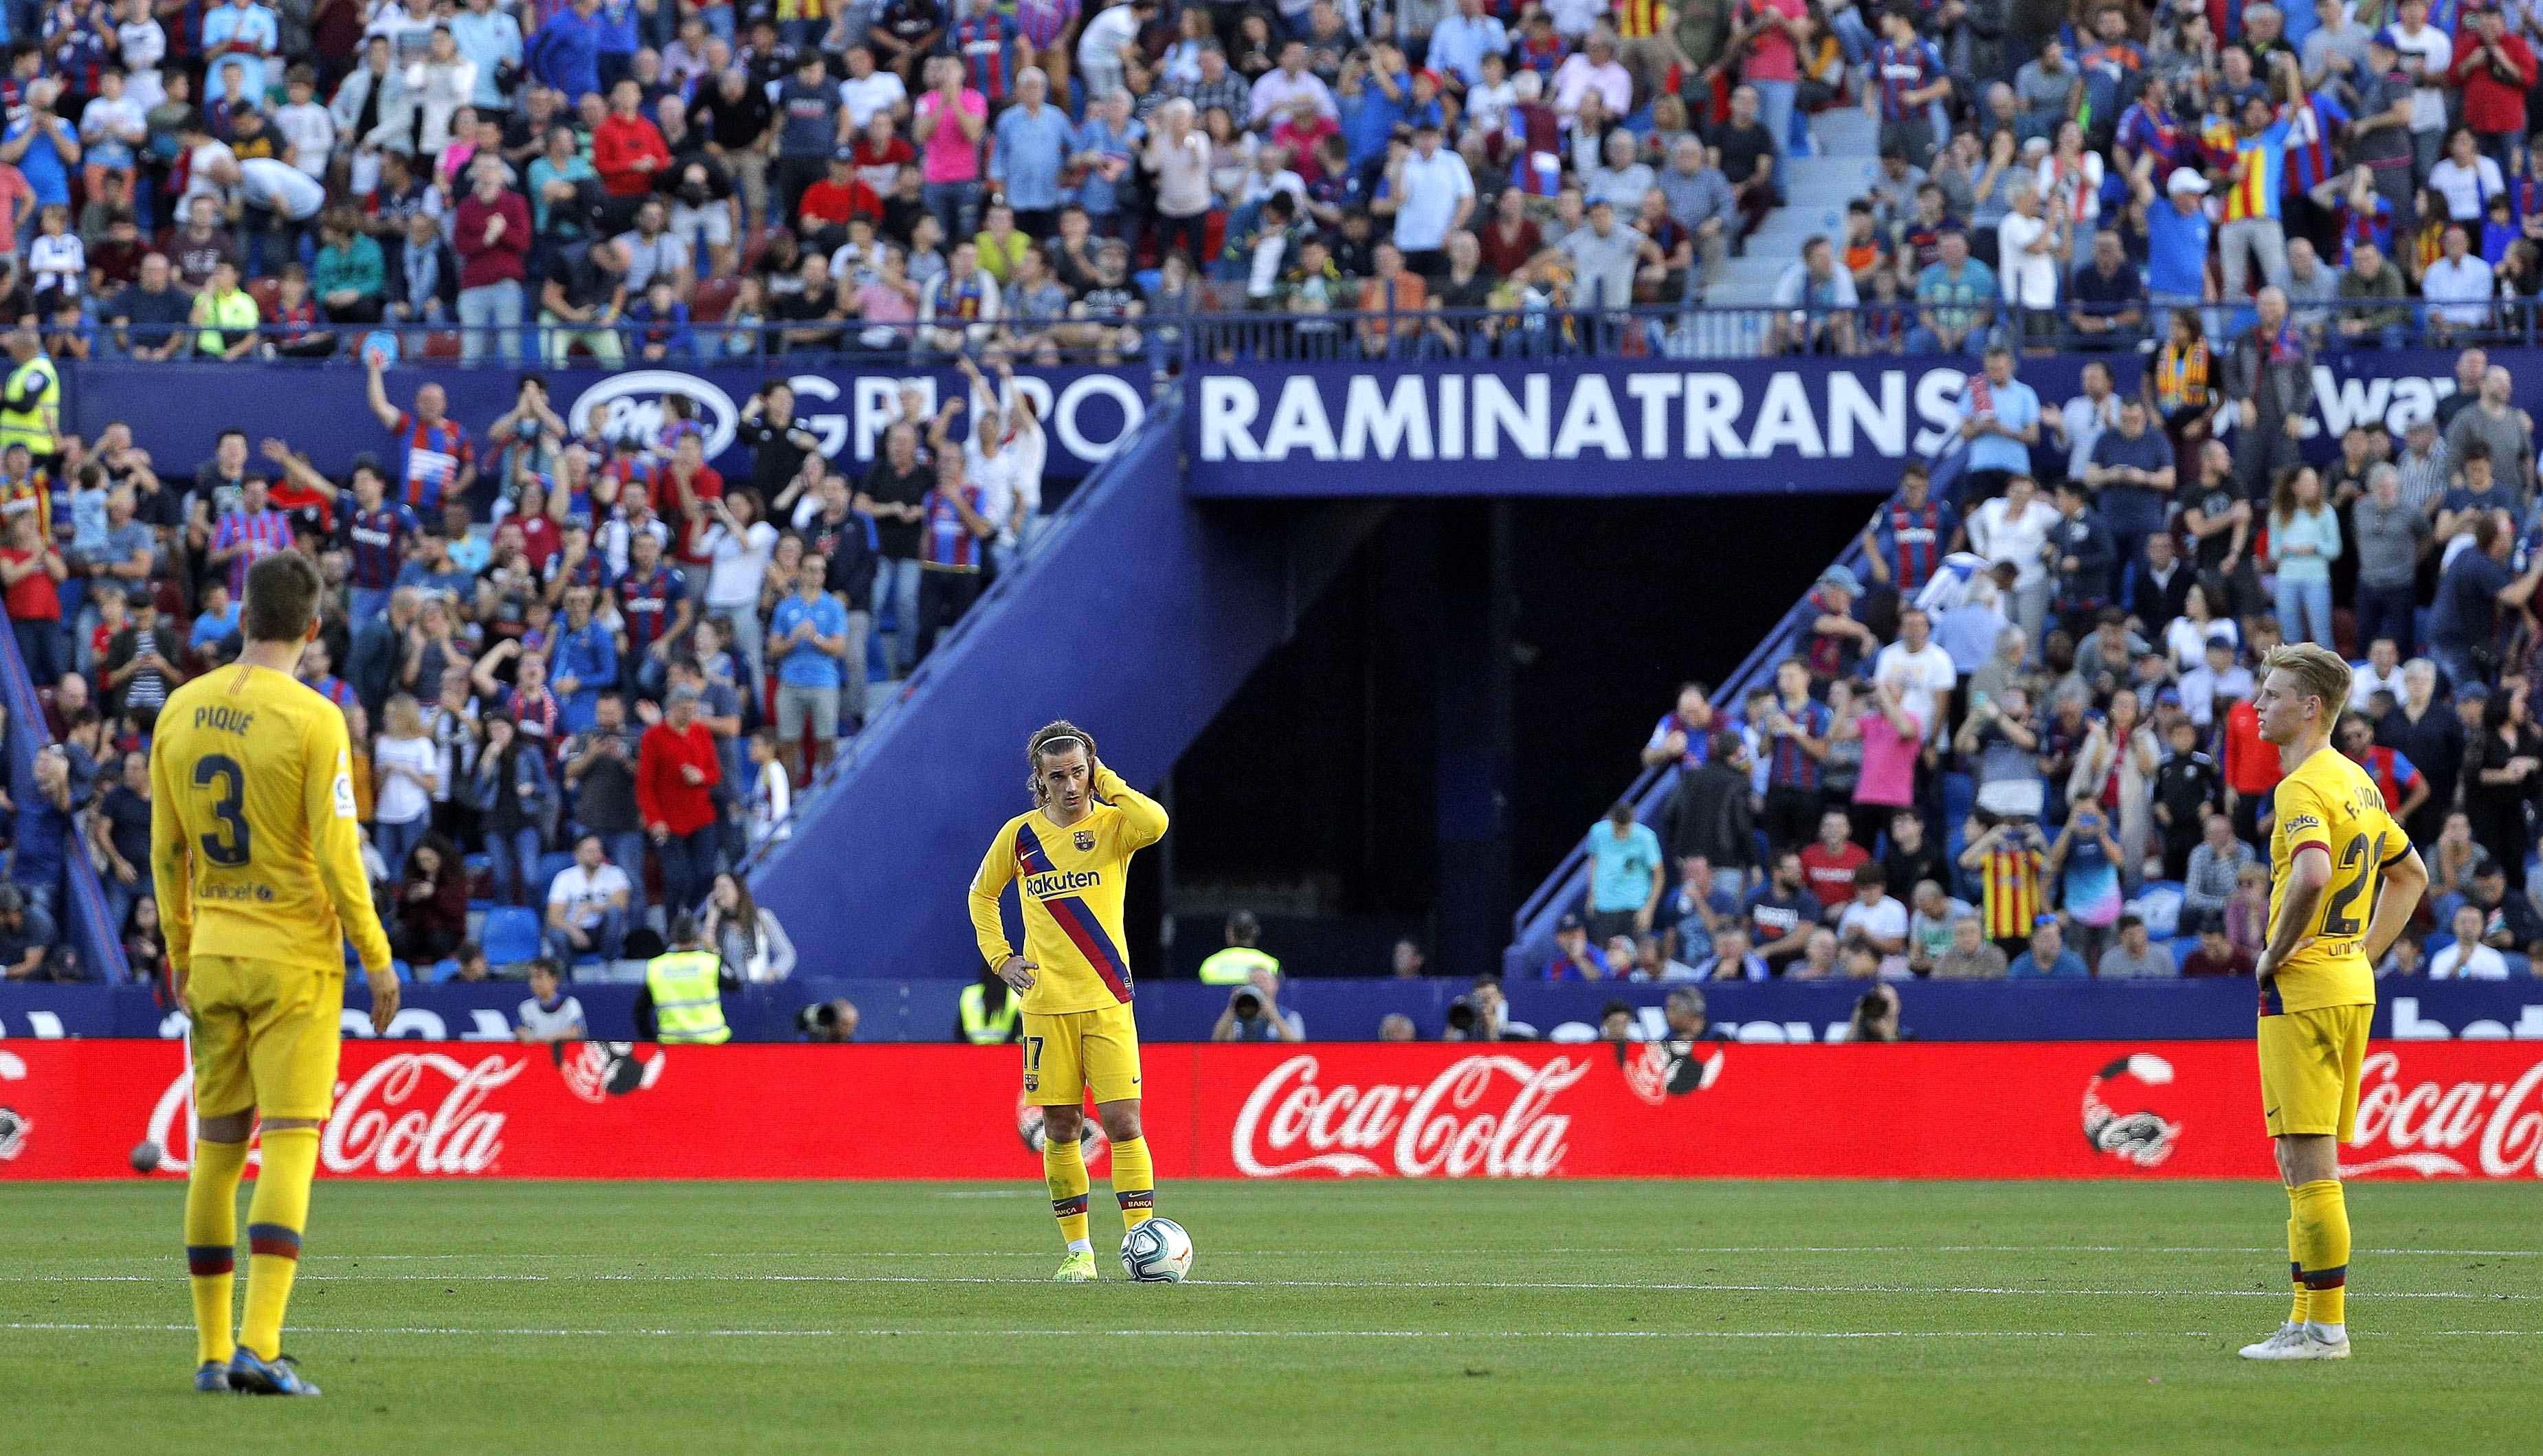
(1574, 957)
(1838, 640)
(2215, 956)
(1431, 194)
(838, 197)
(1035, 143)
(2177, 233)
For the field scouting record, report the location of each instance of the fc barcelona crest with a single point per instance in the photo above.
(1085, 841)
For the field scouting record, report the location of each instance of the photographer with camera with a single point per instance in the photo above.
(1483, 1014)
(1875, 1017)
(1253, 1012)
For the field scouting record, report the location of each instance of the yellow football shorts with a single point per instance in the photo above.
(264, 1035)
(2309, 1068)
(1067, 1055)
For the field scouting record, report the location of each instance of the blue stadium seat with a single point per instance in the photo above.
(551, 865)
(405, 972)
(511, 936)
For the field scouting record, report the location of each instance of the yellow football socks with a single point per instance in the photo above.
(1063, 1167)
(2321, 1249)
(1134, 1181)
(2296, 1265)
(211, 1242)
(275, 1217)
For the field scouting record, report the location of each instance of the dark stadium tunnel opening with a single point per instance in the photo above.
(1314, 798)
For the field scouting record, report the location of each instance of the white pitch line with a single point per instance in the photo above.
(471, 1331)
(1328, 1255)
(1521, 1285)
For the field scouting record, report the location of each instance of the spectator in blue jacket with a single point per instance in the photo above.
(2047, 956)
(586, 661)
(565, 53)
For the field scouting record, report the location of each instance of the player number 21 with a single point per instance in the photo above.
(228, 849)
(2358, 861)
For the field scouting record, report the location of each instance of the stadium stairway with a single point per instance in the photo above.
(1816, 189)
(1139, 616)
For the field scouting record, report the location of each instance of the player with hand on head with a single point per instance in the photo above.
(2343, 881)
(1069, 859)
(256, 854)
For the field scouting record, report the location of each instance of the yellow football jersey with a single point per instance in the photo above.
(2329, 802)
(1069, 882)
(254, 845)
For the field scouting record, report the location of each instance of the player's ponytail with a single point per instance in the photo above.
(1052, 736)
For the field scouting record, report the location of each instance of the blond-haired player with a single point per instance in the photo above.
(2344, 881)
(257, 857)
(1069, 858)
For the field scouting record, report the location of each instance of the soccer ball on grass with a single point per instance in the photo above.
(1157, 1252)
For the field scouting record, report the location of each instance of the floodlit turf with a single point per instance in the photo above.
(1436, 1317)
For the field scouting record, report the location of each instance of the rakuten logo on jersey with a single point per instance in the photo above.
(386, 1121)
(2429, 1128)
(1467, 1121)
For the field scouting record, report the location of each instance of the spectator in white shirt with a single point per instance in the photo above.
(1431, 194)
(2468, 958)
(2013, 528)
(1916, 667)
(549, 1015)
(2031, 248)
(869, 89)
(1285, 83)
(2459, 278)
(2381, 672)
(1876, 919)
(588, 905)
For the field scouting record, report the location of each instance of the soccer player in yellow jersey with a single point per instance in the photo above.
(1069, 859)
(2344, 881)
(256, 854)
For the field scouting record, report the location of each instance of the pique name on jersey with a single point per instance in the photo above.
(227, 720)
(1060, 881)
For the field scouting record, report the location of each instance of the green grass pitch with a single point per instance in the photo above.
(1429, 1317)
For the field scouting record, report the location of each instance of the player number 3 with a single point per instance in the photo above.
(228, 850)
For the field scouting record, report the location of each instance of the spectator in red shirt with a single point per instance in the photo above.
(837, 198)
(626, 148)
(2251, 768)
(33, 572)
(676, 777)
(2216, 956)
(492, 233)
(2494, 68)
(1828, 865)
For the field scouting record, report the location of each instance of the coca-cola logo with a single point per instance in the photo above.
(386, 1122)
(2427, 1127)
(1484, 1115)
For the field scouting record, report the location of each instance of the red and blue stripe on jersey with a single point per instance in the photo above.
(1076, 919)
(431, 458)
(377, 541)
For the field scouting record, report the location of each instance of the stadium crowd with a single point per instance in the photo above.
(2114, 175)
(2021, 740)
(581, 672)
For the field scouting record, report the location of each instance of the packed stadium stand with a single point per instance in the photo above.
(2135, 259)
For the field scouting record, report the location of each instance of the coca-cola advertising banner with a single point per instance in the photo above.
(73, 1109)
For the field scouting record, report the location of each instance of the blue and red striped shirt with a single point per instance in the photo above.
(1901, 69)
(376, 540)
(263, 533)
(2311, 162)
(1787, 766)
(431, 458)
(949, 545)
(1912, 539)
(985, 40)
(649, 604)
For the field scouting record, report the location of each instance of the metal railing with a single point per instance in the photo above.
(1172, 340)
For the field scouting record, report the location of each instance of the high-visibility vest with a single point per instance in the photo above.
(32, 425)
(688, 1006)
(979, 1028)
(1235, 965)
